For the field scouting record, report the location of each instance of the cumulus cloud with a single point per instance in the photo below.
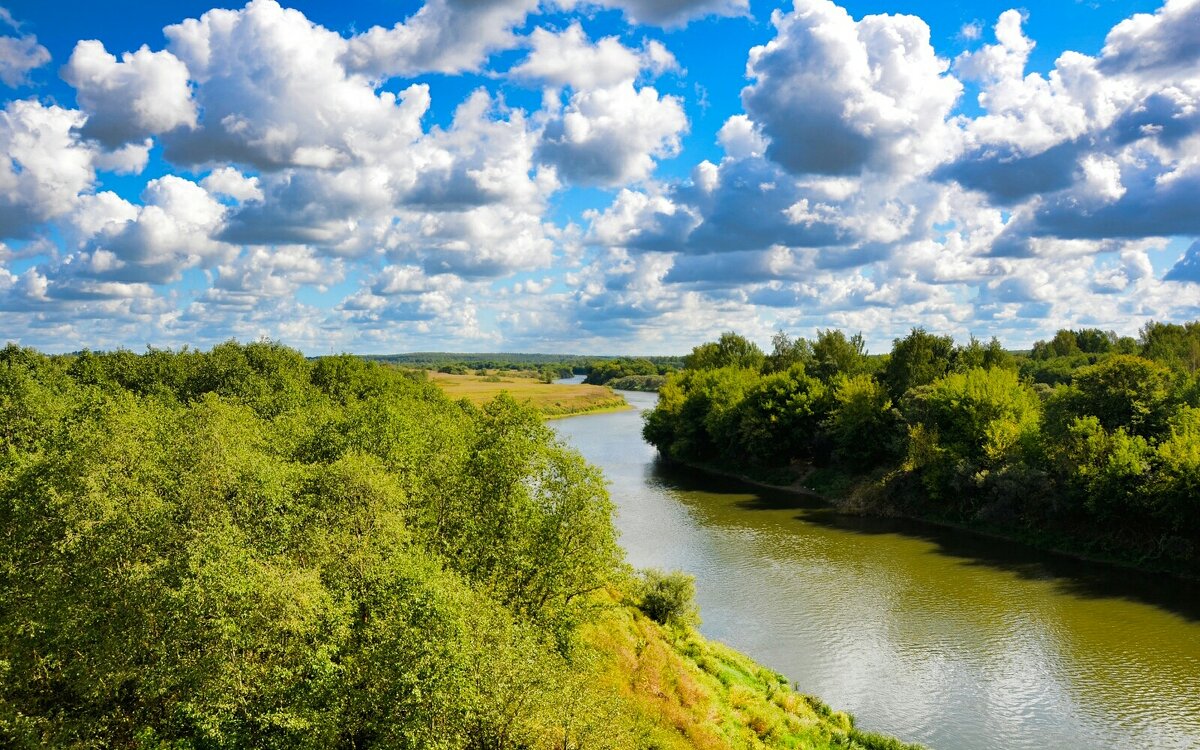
(1097, 148)
(444, 36)
(610, 132)
(45, 166)
(19, 54)
(1153, 44)
(231, 183)
(837, 96)
(274, 93)
(569, 58)
(482, 242)
(262, 276)
(753, 204)
(174, 229)
(848, 192)
(145, 93)
(741, 137)
(406, 300)
(666, 13)
(613, 135)
(485, 156)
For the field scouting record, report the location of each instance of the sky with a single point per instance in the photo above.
(593, 176)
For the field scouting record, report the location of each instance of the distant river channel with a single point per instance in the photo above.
(939, 637)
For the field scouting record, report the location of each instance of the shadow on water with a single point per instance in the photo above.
(1071, 576)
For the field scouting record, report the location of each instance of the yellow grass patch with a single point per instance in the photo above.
(549, 399)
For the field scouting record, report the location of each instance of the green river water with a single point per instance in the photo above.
(935, 636)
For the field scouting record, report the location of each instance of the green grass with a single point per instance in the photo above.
(549, 399)
(688, 692)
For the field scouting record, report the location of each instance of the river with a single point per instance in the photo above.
(935, 636)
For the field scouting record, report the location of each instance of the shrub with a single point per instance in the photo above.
(668, 598)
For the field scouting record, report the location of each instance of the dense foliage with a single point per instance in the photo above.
(246, 549)
(640, 374)
(1090, 438)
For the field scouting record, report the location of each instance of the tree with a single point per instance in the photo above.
(1123, 391)
(982, 416)
(918, 359)
(1176, 346)
(835, 354)
(779, 418)
(668, 598)
(862, 424)
(787, 352)
(731, 350)
(697, 416)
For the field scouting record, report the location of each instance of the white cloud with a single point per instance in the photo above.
(666, 13)
(174, 229)
(613, 135)
(145, 93)
(569, 58)
(231, 183)
(274, 93)
(840, 97)
(264, 277)
(741, 138)
(482, 242)
(1155, 44)
(19, 55)
(45, 165)
(444, 36)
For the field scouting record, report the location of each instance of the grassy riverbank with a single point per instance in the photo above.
(686, 692)
(551, 400)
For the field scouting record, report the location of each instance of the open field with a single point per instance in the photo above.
(549, 399)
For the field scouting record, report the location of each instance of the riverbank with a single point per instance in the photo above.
(867, 495)
(687, 692)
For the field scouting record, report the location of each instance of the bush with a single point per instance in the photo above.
(668, 598)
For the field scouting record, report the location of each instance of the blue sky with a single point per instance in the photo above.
(593, 177)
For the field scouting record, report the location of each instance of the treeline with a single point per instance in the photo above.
(482, 361)
(632, 374)
(244, 548)
(544, 367)
(1090, 440)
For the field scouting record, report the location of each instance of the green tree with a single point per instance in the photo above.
(1123, 392)
(787, 352)
(862, 424)
(918, 359)
(779, 418)
(731, 350)
(834, 354)
(668, 598)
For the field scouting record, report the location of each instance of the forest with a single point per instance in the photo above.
(632, 374)
(1089, 443)
(245, 548)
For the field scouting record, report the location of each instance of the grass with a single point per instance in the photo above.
(688, 692)
(549, 399)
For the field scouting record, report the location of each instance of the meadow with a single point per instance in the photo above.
(548, 399)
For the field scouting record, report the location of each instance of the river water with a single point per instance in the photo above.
(934, 636)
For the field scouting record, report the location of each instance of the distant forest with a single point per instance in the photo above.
(1090, 442)
(624, 373)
